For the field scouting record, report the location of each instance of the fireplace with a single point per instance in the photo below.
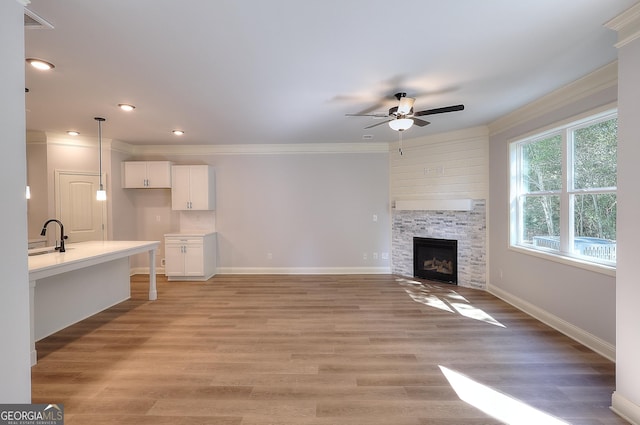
(435, 259)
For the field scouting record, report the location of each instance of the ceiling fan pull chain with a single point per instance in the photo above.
(400, 146)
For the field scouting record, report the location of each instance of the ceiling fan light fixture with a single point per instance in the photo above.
(405, 105)
(73, 133)
(401, 124)
(178, 132)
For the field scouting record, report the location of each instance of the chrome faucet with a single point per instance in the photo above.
(62, 235)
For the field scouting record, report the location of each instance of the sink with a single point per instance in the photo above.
(41, 251)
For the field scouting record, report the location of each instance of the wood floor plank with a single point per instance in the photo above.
(314, 350)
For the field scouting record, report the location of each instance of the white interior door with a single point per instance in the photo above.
(84, 217)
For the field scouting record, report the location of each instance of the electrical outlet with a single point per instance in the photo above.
(375, 217)
(375, 256)
(364, 256)
(162, 262)
(269, 256)
(385, 255)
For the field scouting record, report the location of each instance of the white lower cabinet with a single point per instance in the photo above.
(190, 256)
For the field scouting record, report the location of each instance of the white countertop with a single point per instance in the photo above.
(83, 254)
(187, 234)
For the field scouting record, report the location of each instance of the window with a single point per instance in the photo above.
(563, 190)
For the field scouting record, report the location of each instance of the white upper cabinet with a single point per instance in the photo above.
(193, 187)
(146, 174)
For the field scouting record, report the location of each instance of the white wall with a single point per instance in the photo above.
(15, 367)
(577, 301)
(300, 211)
(452, 165)
(37, 206)
(312, 212)
(626, 399)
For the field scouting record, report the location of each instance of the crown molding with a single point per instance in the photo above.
(254, 149)
(627, 24)
(35, 137)
(117, 145)
(601, 79)
(61, 139)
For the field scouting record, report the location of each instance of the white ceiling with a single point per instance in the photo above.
(287, 71)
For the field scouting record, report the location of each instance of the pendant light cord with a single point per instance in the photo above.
(100, 120)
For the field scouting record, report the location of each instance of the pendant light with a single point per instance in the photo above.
(101, 194)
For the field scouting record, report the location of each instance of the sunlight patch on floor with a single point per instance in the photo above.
(496, 404)
(431, 301)
(450, 301)
(467, 310)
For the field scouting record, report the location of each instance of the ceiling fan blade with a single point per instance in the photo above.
(439, 110)
(370, 109)
(379, 115)
(377, 124)
(419, 122)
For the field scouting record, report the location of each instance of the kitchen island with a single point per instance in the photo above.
(67, 287)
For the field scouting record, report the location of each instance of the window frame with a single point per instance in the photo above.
(566, 194)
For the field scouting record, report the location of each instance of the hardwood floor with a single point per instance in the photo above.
(318, 350)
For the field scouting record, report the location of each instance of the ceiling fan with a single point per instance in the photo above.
(402, 117)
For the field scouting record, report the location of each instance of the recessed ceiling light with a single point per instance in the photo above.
(72, 133)
(126, 107)
(178, 132)
(40, 64)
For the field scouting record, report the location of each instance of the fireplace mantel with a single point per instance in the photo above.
(434, 205)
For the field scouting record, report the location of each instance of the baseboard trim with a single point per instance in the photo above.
(281, 270)
(625, 408)
(587, 339)
(145, 270)
(303, 270)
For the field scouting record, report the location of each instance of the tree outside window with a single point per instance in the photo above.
(564, 190)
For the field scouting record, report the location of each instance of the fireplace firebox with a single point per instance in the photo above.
(436, 259)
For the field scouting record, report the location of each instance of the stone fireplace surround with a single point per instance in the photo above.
(468, 227)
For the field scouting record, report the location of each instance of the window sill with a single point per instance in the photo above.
(566, 260)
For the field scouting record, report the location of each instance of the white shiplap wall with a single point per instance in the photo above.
(451, 165)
